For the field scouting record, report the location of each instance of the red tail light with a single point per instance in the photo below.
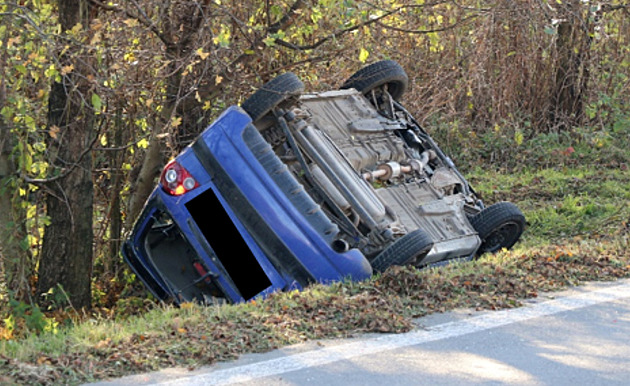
(176, 180)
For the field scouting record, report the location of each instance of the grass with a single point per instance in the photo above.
(562, 203)
(579, 230)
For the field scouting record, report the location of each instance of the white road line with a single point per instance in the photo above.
(390, 342)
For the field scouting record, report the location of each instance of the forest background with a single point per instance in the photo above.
(96, 96)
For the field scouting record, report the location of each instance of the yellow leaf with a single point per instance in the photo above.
(203, 55)
(182, 330)
(76, 29)
(96, 39)
(218, 79)
(67, 69)
(15, 40)
(6, 334)
(363, 55)
(176, 121)
(143, 143)
(149, 102)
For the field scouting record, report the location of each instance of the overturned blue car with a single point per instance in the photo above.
(293, 188)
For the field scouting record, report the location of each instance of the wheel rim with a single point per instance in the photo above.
(394, 89)
(503, 236)
(391, 88)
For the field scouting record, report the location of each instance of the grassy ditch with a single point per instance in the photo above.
(579, 230)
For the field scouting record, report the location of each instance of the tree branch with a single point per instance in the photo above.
(66, 172)
(337, 33)
(426, 31)
(142, 18)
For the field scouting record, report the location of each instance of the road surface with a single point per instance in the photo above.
(576, 337)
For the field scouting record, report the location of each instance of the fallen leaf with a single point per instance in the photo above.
(102, 344)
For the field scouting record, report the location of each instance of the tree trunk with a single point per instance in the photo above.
(111, 263)
(572, 45)
(15, 261)
(66, 258)
(145, 183)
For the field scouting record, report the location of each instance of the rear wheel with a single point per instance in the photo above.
(385, 74)
(414, 245)
(499, 226)
(283, 88)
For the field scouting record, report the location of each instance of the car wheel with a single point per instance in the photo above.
(282, 88)
(383, 73)
(499, 226)
(414, 245)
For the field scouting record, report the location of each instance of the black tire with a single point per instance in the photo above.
(499, 226)
(280, 89)
(416, 244)
(378, 74)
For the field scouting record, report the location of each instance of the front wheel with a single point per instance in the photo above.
(283, 88)
(499, 226)
(413, 245)
(385, 74)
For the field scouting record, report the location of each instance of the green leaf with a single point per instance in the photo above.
(269, 41)
(518, 137)
(21, 69)
(97, 103)
(7, 112)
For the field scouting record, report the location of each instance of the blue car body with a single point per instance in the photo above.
(237, 235)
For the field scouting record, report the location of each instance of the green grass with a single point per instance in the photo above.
(562, 203)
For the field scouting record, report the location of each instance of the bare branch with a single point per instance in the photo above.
(375, 20)
(611, 8)
(426, 31)
(142, 18)
(335, 34)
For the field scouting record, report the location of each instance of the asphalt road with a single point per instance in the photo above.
(577, 337)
